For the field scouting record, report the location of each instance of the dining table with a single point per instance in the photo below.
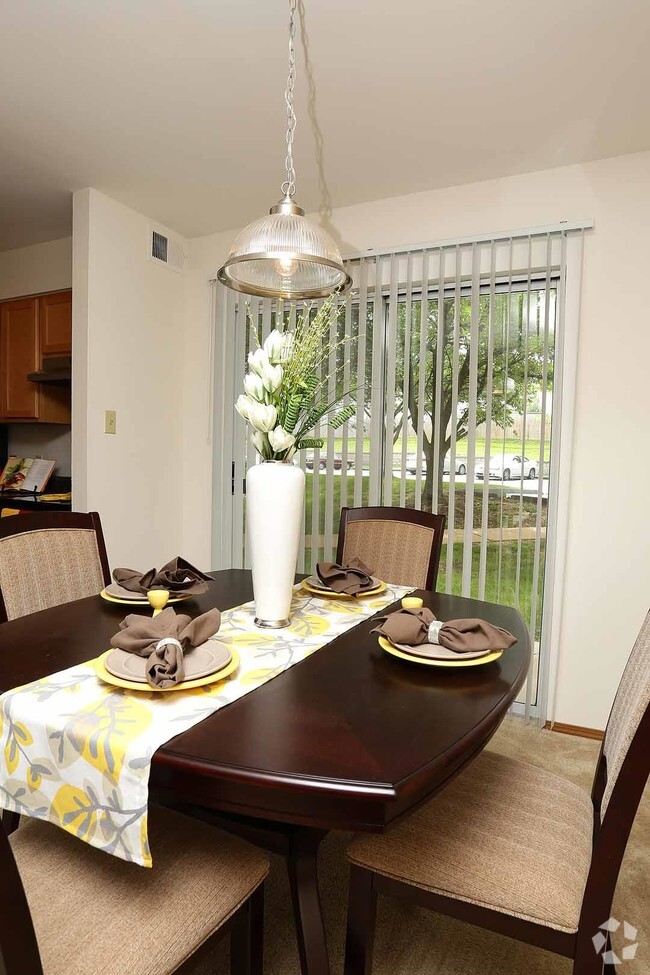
(349, 739)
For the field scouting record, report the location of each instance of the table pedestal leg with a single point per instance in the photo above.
(302, 865)
(299, 846)
(10, 820)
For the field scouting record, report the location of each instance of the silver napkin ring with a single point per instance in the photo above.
(168, 641)
(434, 629)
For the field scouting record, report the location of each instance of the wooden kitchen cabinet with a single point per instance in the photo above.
(55, 322)
(31, 329)
(19, 398)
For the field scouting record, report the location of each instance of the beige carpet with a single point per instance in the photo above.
(411, 941)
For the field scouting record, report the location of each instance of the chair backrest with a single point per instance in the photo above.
(18, 946)
(621, 775)
(630, 704)
(48, 559)
(400, 545)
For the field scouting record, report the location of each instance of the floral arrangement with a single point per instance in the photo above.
(286, 385)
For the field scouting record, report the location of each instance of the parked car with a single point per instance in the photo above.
(507, 467)
(337, 463)
(412, 464)
(461, 465)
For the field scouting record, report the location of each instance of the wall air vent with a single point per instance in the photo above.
(165, 248)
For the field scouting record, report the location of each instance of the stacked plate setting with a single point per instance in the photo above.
(115, 593)
(198, 662)
(206, 664)
(433, 651)
(433, 655)
(314, 586)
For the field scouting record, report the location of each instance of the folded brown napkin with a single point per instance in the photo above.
(413, 626)
(177, 576)
(146, 636)
(350, 579)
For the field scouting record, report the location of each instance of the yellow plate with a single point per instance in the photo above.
(326, 594)
(473, 662)
(186, 685)
(142, 603)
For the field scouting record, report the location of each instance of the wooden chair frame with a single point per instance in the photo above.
(45, 521)
(53, 520)
(19, 954)
(410, 515)
(609, 843)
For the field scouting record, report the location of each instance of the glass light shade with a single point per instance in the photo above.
(284, 255)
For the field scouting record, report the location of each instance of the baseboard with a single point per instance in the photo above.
(574, 729)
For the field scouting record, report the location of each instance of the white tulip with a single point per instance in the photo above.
(243, 406)
(263, 417)
(254, 387)
(258, 361)
(261, 443)
(281, 440)
(277, 346)
(272, 378)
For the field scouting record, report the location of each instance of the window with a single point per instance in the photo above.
(451, 371)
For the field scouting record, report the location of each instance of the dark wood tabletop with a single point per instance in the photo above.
(351, 738)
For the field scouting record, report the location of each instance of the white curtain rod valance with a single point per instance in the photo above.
(563, 227)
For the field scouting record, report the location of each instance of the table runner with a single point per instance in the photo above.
(77, 752)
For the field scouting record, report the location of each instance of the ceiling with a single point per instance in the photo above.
(177, 109)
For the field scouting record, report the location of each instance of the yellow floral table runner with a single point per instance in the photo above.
(77, 752)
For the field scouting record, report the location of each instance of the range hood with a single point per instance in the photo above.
(55, 369)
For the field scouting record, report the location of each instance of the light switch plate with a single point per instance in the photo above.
(110, 421)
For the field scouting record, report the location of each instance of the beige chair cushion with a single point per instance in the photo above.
(44, 568)
(97, 915)
(503, 834)
(396, 551)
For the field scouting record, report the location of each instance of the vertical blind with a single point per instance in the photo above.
(452, 367)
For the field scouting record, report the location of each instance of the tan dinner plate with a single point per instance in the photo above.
(430, 662)
(119, 592)
(314, 586)
(316, 583)
(199, 662)
(185, 685)
(136, 599)
(433, 651)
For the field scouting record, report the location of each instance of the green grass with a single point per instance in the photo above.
(495, 487)
(501, 587)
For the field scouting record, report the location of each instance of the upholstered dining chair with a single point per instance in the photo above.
(69, 909)
(48, 559)
(400, 545)
(512, 848)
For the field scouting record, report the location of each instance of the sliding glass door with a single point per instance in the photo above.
(451, 373)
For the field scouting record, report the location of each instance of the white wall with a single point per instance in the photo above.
(127, 335)
(607, 583)
(36, 269)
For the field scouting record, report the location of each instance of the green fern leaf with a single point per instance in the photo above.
(294, 406)
(310, 443)
(340, 418)
(309, 385)
(314, 416)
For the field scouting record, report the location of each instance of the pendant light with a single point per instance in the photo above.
(285, 255)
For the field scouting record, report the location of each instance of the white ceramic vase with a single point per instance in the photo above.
(275, 498)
